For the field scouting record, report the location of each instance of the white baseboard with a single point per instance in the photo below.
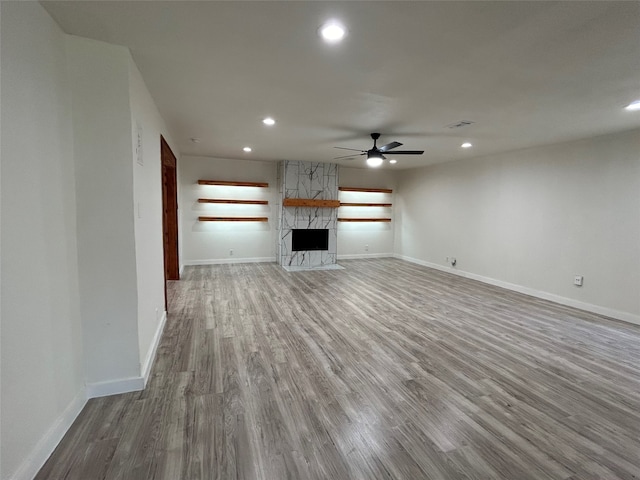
(608, 312)
(355, 256)
(181, 271)
(151, 354)
(221, 261)
(114, 387)
(50, 440)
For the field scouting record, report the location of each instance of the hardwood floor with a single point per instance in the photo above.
(384, 370)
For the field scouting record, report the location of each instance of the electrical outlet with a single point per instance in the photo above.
(231, 252)
(577, 280)
(366, 248)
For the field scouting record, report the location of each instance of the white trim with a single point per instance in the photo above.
(220, 261)
(151, 354)
(355, 256)
(50, 440)
(608, 312)
(114, 387)
(181, 270)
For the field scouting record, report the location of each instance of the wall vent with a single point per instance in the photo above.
(460, 124)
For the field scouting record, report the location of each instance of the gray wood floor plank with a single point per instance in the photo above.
(383, 370)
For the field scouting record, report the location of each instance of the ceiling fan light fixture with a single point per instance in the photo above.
(332, 31)
(633, 106)
(376, 155)
(374, 160)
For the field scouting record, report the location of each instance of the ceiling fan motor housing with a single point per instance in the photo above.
(374, 152)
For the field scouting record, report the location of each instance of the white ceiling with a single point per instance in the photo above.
(527, 73)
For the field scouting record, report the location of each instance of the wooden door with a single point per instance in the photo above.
(169, 212)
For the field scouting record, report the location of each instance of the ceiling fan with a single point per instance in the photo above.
(375, 155)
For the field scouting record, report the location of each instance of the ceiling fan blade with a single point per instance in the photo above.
(354, 149)
(389, 146)
(348, 156)
(407, 152)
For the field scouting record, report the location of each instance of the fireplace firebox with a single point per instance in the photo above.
(309, 239)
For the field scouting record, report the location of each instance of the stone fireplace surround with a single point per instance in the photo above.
(308, 180)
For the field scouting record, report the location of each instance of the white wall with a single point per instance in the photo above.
(42, 354)
(99, 79)
(210, 242)
(533, 219)
(82, 269)
(147, 193)
(356, 240)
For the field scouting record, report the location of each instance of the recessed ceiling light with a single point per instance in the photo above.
(195, 140)
(269, 121)
(247, 149)
(332, 31)
(393, 161)
(466, 145)
(633, 105)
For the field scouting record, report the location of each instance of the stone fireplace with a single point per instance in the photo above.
(310, 183)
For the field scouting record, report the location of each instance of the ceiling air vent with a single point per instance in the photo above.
(460, 124)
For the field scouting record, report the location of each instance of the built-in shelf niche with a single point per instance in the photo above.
(225, 183)
(365, 204)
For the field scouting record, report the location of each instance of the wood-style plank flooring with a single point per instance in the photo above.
(384, 370)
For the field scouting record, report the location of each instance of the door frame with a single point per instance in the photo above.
(169, 214)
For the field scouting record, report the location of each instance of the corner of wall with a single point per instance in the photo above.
(98, 77)
(151, 354)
